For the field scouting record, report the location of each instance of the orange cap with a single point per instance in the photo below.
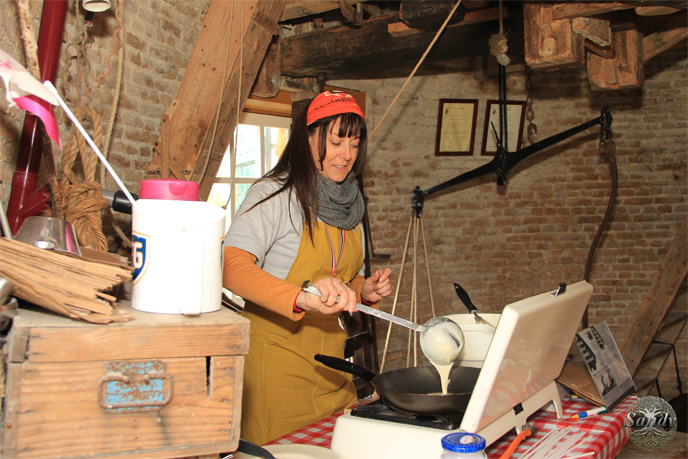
(330, 103)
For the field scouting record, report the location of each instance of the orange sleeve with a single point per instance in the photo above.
(243, 277)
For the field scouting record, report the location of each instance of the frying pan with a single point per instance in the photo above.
(415, 390)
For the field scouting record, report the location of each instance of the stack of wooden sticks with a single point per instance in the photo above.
(77, 287)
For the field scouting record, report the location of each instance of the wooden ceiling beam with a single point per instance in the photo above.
(574, 10)
(344, 52)
(597, 31)
(295, 9)
(550, 42)
(570, 10)
(217, 81)
(655, 10)
(428, 14)
(625, 69)
(676, 32)
(397, 29)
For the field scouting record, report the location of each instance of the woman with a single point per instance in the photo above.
(300, 225)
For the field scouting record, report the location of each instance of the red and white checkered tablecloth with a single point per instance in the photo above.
(605, 434)
(319, 433)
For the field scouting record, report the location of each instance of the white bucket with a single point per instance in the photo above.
(177, 256)
(477, 337)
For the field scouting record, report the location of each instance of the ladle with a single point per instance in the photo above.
(441, 338)
(443, 341)
(377, 313)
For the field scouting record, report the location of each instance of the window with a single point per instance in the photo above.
(260, 140)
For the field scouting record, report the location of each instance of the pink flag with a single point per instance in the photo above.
(27, 93)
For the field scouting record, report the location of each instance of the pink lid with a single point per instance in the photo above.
(171, 189)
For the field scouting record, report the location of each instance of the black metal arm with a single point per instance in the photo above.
(503, 161)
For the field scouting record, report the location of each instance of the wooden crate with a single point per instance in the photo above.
(159, 386)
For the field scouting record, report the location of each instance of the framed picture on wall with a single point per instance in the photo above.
(515, 114)
(456, 127)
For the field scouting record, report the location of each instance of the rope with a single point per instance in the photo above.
(88, 157)
(498, 44)
(28, 39)
(396, 294)
(414, 290)
(412, 345)
(84, 204)
(113, 112)
(432, 43)
(414, 309)
(118, 44)
(81, 50)
(69, 154)
(427, 268)
(235, 141)
(81, 196)
(102, 76)
(82, 199)
(222, 90)
(232, 139)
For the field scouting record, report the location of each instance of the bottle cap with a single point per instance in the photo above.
(463, 442)
(170, 189)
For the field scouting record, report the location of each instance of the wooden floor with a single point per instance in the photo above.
(677, 448)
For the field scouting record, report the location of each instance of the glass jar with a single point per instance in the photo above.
(463, 445)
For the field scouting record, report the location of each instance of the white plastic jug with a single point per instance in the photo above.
(177, 256)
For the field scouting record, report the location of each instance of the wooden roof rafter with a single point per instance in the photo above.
(218, 79)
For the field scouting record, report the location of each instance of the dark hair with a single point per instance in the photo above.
(296, 168)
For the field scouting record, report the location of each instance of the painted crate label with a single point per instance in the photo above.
(135, 386)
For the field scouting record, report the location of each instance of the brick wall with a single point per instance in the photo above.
(159, 36)
(506, 243)
(500, 243)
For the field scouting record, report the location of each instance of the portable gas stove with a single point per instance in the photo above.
(526, 354)
(381, 411)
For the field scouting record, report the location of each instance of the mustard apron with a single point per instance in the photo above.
(284, 387)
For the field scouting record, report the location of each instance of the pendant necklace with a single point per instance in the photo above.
(340, 318)
(335, 263)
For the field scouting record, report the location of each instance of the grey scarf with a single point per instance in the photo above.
(340, 204)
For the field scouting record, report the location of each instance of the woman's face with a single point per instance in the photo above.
(340, 154)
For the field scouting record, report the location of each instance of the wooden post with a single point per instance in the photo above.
(676, 31)
(657, 302)
(267, 82)
(218, 66)
(625, 70)
(549, 43)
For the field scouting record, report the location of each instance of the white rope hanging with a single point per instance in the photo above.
(415, 69)
(415, 223)
(222, 91)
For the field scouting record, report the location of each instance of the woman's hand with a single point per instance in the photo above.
(377, 286)
(335, 296)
